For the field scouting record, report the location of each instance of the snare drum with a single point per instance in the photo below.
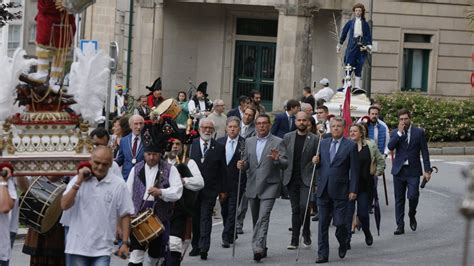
(40, 205)
(146, 227)
(169, 107)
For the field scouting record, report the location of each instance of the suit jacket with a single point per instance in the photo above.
(309, 150)
(281, 126)
(124, 157)
(264, 177)
(232, 173)
(410, 151)
(212, 167)
(234, 112)
(250, 132)
(342, 175)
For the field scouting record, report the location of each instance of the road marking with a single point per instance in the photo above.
(435, 160)
(217, 223)
(460, 163)
(437, 193)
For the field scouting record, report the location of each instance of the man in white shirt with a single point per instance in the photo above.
(154, 183)
(325, 93)
(97, 200)
(7, 201)
(183, 210)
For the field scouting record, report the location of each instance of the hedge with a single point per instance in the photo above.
(442, 119)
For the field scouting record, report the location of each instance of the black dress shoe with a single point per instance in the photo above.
(400, 231)
(203, 255)
(194, 252)
(307, 241)
(368, 238)
(413, 223)
(321, 260)
(342, 251)
(240, 231)
(257, 256)
(264, 255)
(225, 244)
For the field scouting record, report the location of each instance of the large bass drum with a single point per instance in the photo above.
(169, 107)
(40, 205)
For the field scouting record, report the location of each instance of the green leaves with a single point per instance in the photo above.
(442, 119)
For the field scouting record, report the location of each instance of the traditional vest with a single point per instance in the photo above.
(381, 130)
(162, 209)
(206, 102)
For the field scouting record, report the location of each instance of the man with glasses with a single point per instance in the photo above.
(210, 158)
(219, 118)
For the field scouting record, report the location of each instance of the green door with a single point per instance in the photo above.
(254, 69)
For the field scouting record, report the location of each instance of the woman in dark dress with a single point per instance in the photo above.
(371, 162)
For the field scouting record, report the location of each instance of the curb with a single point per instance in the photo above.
(452, 151)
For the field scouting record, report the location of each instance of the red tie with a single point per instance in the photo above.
(134, 148)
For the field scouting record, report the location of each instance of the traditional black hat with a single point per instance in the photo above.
(203, 88)
(156, 136)
(156, 85)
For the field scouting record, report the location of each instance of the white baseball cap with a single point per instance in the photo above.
(324, 81)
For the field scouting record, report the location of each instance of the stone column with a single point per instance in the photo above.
(293, 55)
(147, 45)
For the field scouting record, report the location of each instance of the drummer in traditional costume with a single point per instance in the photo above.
(200, 106)
(154, 97)
(154, 184)
(182, 212)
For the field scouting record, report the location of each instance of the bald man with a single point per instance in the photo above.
(97, 200)
(131, 146)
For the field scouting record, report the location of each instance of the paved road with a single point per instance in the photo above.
(437, 241)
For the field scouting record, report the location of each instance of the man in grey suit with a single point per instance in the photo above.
(301, 146)
(338, 164)
(247, 130)
(263, 160)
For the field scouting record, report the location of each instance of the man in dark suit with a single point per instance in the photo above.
(337, 183)
(210, 158)
(143, 109)
(408, 142)
(264, 159)
(131, 146)
(285, 122)
(233, 143)
(244, 102)
(301, 146)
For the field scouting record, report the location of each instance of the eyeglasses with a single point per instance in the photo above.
(207, 128)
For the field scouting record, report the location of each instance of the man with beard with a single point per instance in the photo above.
(263, 160)
(408, 142)
(378, 130)
(182, 211)
(256, 101)
(301, 146)
(210, 158)
(200, 105)
(155, 184)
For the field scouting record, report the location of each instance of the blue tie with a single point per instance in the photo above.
(332, 151)
(229, 151)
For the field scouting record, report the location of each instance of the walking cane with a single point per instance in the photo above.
(321, 132)
(385, 188)
(242, 152)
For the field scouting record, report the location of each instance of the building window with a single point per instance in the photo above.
(14, 36)
(415, 69)
(417, 49)
(32, 35)
(257, 27)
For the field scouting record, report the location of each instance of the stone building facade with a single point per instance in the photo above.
(280, 46)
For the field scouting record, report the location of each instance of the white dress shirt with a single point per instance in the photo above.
(170, 194)
(194, 183)
(192, 106)
(358, 28)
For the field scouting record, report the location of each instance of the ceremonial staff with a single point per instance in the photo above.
(242, 153)
(321, 131)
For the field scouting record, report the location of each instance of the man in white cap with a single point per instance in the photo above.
(325, 93)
